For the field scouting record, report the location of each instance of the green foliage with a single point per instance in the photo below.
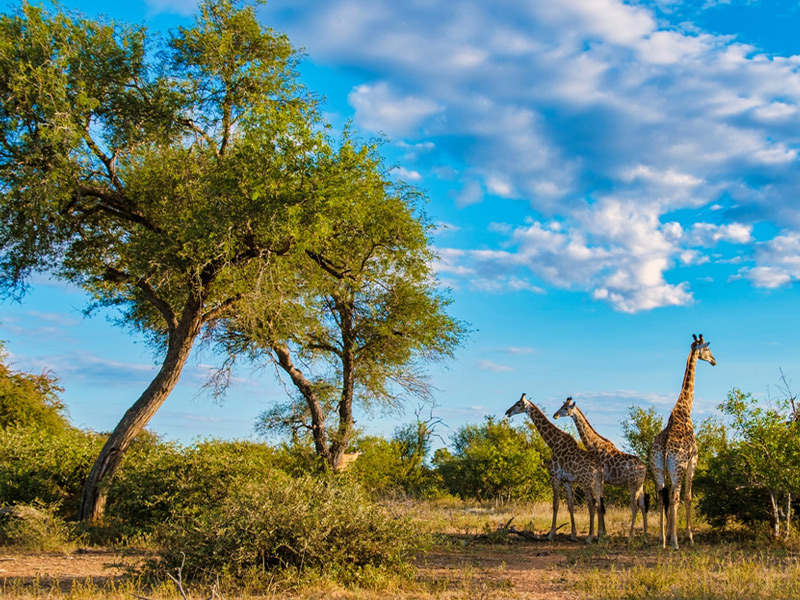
(639, 430)
(494, 460)
(159, 480)
(398, 464)
(36, 527)
(38, 465)
(30, 400)
(289, 523)
(758, 468)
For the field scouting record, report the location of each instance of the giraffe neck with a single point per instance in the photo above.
(590, 438)
(683, 407)
(549, 432)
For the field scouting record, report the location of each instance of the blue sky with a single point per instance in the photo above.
(607, 178)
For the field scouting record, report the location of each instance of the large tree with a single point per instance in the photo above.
(164, 183)
(356, 317)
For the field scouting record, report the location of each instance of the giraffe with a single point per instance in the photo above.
(674, 454)
(569, 464)
(619, 468)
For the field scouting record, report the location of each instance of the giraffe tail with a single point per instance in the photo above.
(647, 503)
(665, 497)
(602, 506)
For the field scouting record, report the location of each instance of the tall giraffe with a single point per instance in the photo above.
(674, 454)
(569, 464)
(619, 468)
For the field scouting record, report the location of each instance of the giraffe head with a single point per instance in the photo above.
(520, 407)
(567, 409)
(701, 347)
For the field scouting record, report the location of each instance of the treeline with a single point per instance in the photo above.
(747, 470)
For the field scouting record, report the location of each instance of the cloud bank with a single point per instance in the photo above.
(641, 147)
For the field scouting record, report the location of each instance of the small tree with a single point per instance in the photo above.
(357, 317)
(30, 401)
(766, 450)
(639, 430)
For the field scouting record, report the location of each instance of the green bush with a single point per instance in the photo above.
(160, 479)
(30, 400)
(278, 522)
(38, 465)
(495, 461)
(387, 467)
(36, 527)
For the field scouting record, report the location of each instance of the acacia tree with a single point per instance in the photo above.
(355, 317)
(163, 183)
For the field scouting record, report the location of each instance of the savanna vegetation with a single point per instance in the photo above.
(191, 184)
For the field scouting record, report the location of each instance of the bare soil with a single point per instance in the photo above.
(98, 565)
(460, 567)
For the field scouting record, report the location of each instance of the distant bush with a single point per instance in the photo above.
(30, 400)
(39, 465)
(387, 467)
(279, 522)
(36, 527)
(161, 479)
(495, 461)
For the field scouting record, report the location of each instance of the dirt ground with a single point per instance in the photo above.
(99, 565)
(525, 570)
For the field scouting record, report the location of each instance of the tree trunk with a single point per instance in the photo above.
(181, 340)
(307, 390)
(775, 516)
(788, 514)
(345, 429)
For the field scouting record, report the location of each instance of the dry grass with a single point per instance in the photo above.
(468, 564)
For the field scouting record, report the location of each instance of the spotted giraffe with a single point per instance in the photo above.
(569, 464)
(674, 454)
(619, 468)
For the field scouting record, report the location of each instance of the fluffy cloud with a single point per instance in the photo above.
(639, 148)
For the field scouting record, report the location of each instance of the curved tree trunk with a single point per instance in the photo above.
(307, 390)
(181, 340)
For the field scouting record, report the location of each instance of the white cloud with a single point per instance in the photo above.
(609, 124)
(379, 108)
(777, 262)
(407, 175)
(488, 365)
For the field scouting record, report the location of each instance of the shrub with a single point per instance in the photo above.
(289, 523)
(386, 467)
(36, 527)
(161, 479)
(30, 400)
(495, 461)
(38, 465)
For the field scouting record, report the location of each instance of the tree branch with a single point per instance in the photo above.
(163, 307)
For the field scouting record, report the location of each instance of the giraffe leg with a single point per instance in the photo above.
(571, 506)
(642, 500)
(592, 509)
(551, 536)
(675, 499)
(601, 507)
(687, 498)
(634, 510)
(657, 466)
